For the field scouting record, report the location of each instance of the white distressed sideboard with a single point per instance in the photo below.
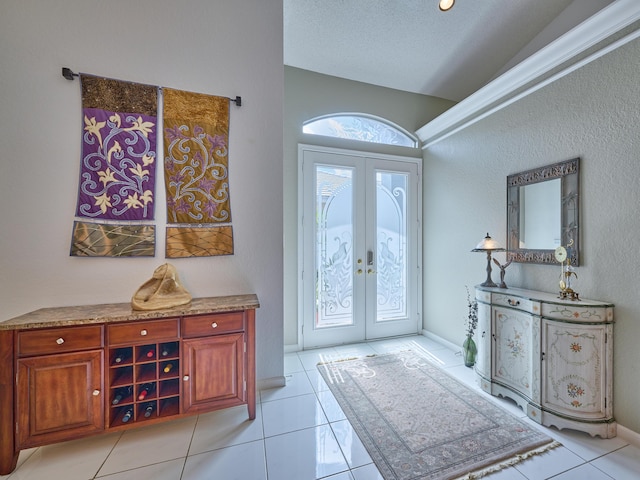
(553, 357)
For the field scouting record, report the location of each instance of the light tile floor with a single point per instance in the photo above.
(300, 433)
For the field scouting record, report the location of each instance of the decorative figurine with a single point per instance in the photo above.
(565, 276)
(502, 271)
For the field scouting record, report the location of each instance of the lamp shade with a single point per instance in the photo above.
(488, 244)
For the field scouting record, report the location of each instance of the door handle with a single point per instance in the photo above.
(370, 258)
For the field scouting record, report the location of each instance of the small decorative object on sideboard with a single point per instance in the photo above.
(488, 245)
(566, 290)
(502, 271)
(469, 348)
(163, 290)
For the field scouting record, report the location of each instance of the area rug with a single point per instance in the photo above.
(418, 422)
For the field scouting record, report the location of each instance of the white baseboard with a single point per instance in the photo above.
(629, 435)
(273, 382)
(292, 348)
(441, 340)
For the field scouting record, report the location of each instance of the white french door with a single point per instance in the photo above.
(360, 246)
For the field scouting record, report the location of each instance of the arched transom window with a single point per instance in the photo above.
(357, 126)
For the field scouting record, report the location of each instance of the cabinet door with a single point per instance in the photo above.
(59, 397)
(574, 369)
(483, 365)
(516, 361)
(213, 372)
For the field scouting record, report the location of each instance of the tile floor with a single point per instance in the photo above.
(300, 433)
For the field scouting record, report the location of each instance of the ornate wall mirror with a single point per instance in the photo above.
(543, 213)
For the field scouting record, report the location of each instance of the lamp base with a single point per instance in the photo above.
(488, 282)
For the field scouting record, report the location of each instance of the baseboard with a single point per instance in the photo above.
(441, 340)
(629, 435)
(273, 382)
(292, 348)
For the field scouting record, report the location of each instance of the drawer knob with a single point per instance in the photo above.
(185, 378)
(143, 332)
(214, 325)
(96, 393)
(514, 303)
(60, 341)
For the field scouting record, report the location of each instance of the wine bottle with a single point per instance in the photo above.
(150, 353)
(146, 389)
(166, 350)
(168, 367)
(149, 410)
(120, 394)
(127, 415)
(120, 356)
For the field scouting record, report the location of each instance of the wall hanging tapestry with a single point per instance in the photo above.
(105, 240)
(117, 171)
(117, 175)
(418, 422)
(196, 171)
(199, 241)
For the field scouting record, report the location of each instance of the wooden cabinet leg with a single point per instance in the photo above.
(8, 453)
(251, 362)
(8, 461)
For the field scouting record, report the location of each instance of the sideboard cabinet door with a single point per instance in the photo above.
(59, 397)
(575, 369)
(514, 347)
(213, 372)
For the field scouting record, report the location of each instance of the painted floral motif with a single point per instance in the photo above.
(197, 177)
(574, 391)
(117, 174)
(575, 347)
(516, 345)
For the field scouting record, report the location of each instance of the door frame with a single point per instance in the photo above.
(300, 233)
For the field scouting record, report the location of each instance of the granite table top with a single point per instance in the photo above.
(123, 312)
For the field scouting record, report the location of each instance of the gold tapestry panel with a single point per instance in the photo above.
(199, 241)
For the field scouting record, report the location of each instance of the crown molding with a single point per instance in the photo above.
(537, 71)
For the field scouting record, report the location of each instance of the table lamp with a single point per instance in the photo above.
(488, 245)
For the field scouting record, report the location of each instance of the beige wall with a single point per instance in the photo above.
(593, 114)
(215, 47)
(308, 95)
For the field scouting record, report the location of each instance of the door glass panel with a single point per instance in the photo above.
(391, 235)
(334, 246)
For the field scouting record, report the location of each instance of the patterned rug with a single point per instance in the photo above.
(418, 422)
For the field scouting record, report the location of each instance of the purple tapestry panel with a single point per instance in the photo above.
(117, 174)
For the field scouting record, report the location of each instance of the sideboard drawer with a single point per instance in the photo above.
(143, 331)
(577, 312)
(59, 340)
(205, 325)
(513, 301)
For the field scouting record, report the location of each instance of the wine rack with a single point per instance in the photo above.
(144, 382)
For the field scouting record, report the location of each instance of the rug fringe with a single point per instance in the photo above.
(510, 462)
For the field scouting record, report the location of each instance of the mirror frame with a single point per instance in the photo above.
(569, 173)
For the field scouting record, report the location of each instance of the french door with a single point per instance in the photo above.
(360, 246)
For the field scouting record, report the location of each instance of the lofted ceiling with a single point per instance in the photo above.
(411, 45)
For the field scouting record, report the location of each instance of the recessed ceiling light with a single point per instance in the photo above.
(446, 4)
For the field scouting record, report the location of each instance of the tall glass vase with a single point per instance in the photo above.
(469, 350)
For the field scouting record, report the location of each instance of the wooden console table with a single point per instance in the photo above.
(71, 372)
(552, 356)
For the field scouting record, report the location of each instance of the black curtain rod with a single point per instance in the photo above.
(69, 75)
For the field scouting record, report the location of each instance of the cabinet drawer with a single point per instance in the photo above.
(59, 340)
(577, 313)
(205, 325)
(143, 331)
(519, 303)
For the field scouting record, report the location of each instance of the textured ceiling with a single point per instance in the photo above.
(411, 45)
